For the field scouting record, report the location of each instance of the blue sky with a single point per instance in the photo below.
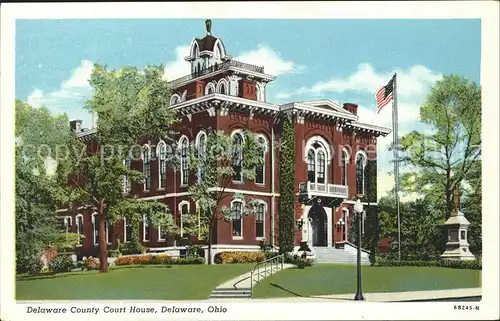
(342, 60)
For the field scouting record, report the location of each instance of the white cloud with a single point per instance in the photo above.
(71, 95)
(263, 55)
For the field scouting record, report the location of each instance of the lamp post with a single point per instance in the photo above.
(358, 208)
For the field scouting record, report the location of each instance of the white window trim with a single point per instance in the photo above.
(78, 229)
(106, 227)
(93, 228)
(241, 219)
(222, 83)
(266, 142)
(197, 143)
(144, 148)
(324, 144)
(179, 145)
(144, 224)
(363, 163)
(184, 96)
(316, 163)
(69, 225)
(347, 161)
(161, 144)
(125, 231)
(260, 238)
(209, 86)
(126, 182)
(181, 204)
(175, 99)
(240, 132)
(345, 211)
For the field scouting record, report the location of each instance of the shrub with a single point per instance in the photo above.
(239, 257)
(194, 251)
(269, 255)
(92, 263)
(455, 264)
(34, 265)
(187, 260)
(62, 263)
(303, 262)
(161, 259)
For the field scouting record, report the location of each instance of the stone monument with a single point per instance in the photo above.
(457, 247)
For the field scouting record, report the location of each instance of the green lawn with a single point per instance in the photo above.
(150, 282)
(324, 279)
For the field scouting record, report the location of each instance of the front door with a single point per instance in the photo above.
(319, 233)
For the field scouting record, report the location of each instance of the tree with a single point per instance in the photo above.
(131, 106)
(472, 208)
(39, 134)
(286, 209)
(216, 163)
(441, 160)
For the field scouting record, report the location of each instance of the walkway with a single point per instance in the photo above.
(383, 296)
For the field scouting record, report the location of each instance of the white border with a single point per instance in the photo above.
(487, 10)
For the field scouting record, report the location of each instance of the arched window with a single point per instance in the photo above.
(260, 170)
(95, 228)
(360, 173)
(145, 229)
(210, 88)
(343, 169)
(183, 212)
(201, 144)
(79, 227)
(321, 167)
(175, 99)
(237, 157)
(67, 224)
(184, 146)
(260, 220)
(126, 181)
(162, 164)
(311, 166)
(222, 87)
(237, 219)
(146, 161)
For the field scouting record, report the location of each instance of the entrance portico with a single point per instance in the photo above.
(318, 231)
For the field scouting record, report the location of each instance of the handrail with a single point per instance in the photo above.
(278, 259)
(355, 246)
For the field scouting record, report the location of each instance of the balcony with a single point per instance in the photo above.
(327, 190)
(223, 66)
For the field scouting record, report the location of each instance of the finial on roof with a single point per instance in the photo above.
(208, 25)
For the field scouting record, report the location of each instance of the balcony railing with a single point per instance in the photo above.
(329, 190)
(223, 66)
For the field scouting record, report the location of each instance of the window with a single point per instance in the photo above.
(210, 88)
(360, 174)
(202, 137)
(67, 224)
(95, 225)
(238, 157)
(183, 211)
(184, 161)
(259, 172)
(109, 232)
(311, 166)
(162, 164)
(162, 234)
(146, 158)
(237, 219)
(79, 226)
(344, 168)
(145, 229)
(259, 221)
(126, 181)
(321, 167)
(175, 99)
(128, 230)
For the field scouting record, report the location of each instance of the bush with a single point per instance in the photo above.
(239, 257)
(269, 255)
(194, 251)
(34, 265)
(303, 262)
(454, 264)
(92, 263)
(62, 263)
(163, 259)
(187, 260)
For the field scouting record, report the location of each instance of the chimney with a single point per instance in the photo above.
(352, 108)
(76, 125)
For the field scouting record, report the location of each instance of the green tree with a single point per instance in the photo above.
(215, 165)
(286, 202)
(131, 107)
(39, 138)
(442, 159)
(472, 208)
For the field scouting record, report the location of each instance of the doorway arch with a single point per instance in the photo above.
(319, 225)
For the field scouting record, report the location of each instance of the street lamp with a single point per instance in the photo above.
(358, 208)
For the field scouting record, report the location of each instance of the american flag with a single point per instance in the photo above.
(385, 94)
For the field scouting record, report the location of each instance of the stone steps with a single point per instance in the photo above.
(230, 293)
(339, 256)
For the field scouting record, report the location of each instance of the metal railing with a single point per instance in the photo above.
(223, 66)
(276, 262)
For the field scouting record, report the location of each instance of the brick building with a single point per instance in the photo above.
(332, 149)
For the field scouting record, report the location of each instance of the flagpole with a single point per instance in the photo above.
(396, 158)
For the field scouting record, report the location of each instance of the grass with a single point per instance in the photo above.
(150, 282)
(324, 279)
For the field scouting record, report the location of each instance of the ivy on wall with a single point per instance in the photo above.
(286, 217)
